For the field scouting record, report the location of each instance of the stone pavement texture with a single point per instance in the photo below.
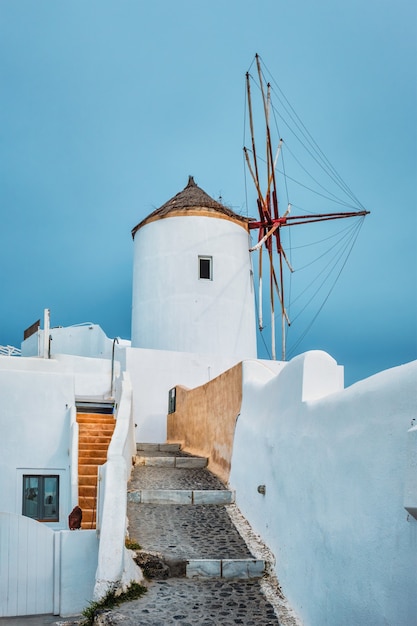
(187, 602)
(178, 531)
(173, 534)
(189, 532)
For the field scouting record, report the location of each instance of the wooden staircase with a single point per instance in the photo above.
(95, 433)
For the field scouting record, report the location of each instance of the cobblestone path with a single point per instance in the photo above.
(178, 531)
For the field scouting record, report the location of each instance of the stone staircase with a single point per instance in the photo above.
(95, 433)
(177, 510)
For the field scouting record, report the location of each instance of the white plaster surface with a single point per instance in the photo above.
(112, 526)
(334, 469)
(35, 434)
(153, 373)
(91, 377)
(410, 487)
(116, 569)
(82, 340)
(79, 551)
(172, 309)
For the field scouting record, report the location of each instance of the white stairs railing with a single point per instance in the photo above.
(10, 351)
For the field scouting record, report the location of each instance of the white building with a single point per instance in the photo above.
(192, 279)
(339, 465)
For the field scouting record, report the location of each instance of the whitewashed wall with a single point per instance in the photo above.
(172, 309)
(37, 401)
(91, 376)
(35, 434)
(78, 564)
(82, 340)
(153, 373)
(116, 568)
(334, 466)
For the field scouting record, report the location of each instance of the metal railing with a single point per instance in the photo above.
(10, 351)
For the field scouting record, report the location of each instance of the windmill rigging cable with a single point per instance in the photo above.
(330, 172)
(338, 256)
(294, 346)
(331, 196)
(271, 221)
(345, 232)
(311, 139)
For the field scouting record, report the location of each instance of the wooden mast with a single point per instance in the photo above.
(270, 222)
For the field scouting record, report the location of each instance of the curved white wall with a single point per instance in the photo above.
(335, 471)
(172, 309)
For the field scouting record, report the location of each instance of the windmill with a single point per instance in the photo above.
(272, 220)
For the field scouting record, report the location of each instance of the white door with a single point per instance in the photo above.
(27, 566)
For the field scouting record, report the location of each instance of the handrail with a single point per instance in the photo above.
(115, 340)
(10, 351)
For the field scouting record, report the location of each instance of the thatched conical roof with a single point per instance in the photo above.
(192, 200)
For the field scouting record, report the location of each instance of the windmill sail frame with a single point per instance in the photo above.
(270, 222)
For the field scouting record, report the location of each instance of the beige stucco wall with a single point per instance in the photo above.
(205, 418)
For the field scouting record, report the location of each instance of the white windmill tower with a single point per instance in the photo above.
(192, 279)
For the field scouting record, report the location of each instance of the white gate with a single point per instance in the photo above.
(29, 567)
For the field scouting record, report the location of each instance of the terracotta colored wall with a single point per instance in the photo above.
(205, 418)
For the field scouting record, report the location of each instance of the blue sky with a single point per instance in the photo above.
(107, 107)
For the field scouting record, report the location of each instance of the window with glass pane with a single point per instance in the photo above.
(205, 267)
(41, 497)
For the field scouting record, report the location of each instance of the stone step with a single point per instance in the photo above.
(92, 458)
(88, 490)
(93, 445)
(95, 433)
(93, 439)
(181, 462)
(94, 407)
(87, 470)
(181, 496)
(225, 568)
(86, 481)
(157, 567)
(158, 447)
(87, 502)
(85, 418)
(86, 429)
(88, 515)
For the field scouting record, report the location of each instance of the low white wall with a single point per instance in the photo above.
(73, 455)
(123, 439)
(92, 376)
(79, 550)
(82, 340)
(115, 567)
(334, 468)
(153, 373)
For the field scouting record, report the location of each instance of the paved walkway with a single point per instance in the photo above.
(201, 570)
(186, 602)
(183, 533)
